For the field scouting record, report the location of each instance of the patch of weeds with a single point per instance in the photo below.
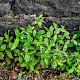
(51, 47)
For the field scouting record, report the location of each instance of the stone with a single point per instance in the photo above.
(68, 5)
(57, 8)
(47, 7)
(4, 1)
(4, 8)
(28, 7)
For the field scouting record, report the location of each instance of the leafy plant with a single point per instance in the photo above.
(50, 47)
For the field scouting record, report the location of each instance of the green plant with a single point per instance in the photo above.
(5, 45)
(49, 47)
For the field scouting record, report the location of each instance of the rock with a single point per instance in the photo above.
(47, 7)
(28, 7)
(8, 17)
(57, 8)
(4, 8)
(68, 5)
(4, 1)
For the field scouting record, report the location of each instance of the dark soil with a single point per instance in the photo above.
(10, 72)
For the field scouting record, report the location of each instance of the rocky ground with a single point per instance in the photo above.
(56, 8)
(9, 72)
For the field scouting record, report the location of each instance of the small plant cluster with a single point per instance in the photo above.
(50, 47)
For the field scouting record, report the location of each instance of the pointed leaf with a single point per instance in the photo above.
(39, 24)
(23, 64)
(6, 37)
(1, 38)
(3, 47)
(17, 33)
(57, 31)
(55, 38)
(15, 44)
(20, 59)
(34, 33)
(61, 42)
(67, 42)
(71, 71)
(9, 54)
(74, 37)
(65, 47)
(55, 25)
(41, 32)
(48, 34)
(51, 29)
(75, 42)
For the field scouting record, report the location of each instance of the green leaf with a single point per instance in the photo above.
(3, 47)
(71, 71)
(9, 54)
(52, 44)
(51, 29)
(22, 29)
(55, 25)
(1, 42)
(33, 23)
(61, 42)
(15, 44)
(6, 37)
(42, 63)
(41, 32)
(57, 31)
(46, 61)
(36, 71)
(35, 42)
(20, 59)
(48, 34)
(74, 37)
(78, 44)
(23, 64)
(27, 58)
(16, 59)
(55, 38)
(65, 47)
(23, 40)
(30, 28)
(25, 49)
(10, 44)
(62, 27)
(17, 51)
(46, 41)
(71, 44)
(39, 24)
(75, 42)
(11, 38)
(67, 42)
(1, 55)
(41, 38)
(8, 60)
(29, 39)
(31, 67)
(17, 33)
(34, 33)
(40, 16)
(60, 63)
(54, 65)
(1, 38)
